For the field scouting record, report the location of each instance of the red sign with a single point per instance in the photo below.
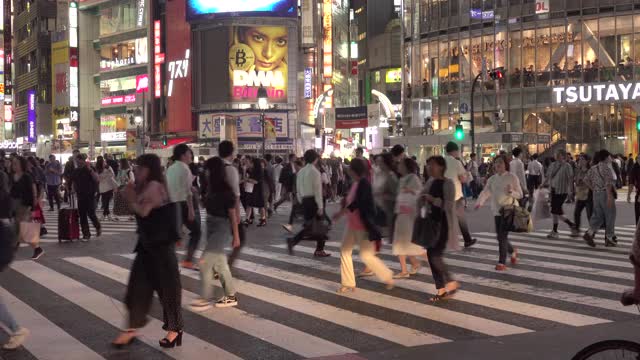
(142, 83)
(157, 74)
(354, 68)
(117, 100)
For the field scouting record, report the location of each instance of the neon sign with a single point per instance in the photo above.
(158, 60)
(178, 70)
(596, 93)
(31, 115)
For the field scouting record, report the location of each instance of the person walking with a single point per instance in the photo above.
(634, 183)
(560, 180)
(18, 334)
(360, 230)
(584, 196)
(155, 267)
(106, 185)
(24, 196)
(409, 188)
(438, 200)
(385, 191)
(473, 169)
(232, 177)
(125, 177)
(503, 188)
(601, 181)
(295, 205)
(516, 167)
(222, 229)
(457, 173)
(277, 170)
(309, 193)
(535, 176)
(179, 182)
(286, 180)
(256, 181)
(53, 174)
(85, 184)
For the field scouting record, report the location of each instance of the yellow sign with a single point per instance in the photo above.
(327, 27)
(393, 76)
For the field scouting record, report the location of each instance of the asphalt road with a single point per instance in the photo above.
(561, 297)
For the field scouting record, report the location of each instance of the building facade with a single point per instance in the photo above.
(543, 48)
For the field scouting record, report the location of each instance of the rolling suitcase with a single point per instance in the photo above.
(69, 223)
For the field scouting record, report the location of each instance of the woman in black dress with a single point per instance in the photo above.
(155, 267)
(255, 198)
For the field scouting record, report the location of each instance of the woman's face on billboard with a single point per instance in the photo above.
(269, 44)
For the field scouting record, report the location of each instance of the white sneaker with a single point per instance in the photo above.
(200, 305)
(17, 339)
(553, 235)
(227, 301)
(288, 227)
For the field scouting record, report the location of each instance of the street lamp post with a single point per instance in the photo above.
(472, 130)
(263, 104)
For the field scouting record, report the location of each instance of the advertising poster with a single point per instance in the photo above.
(248, 125)
(351, 117)
(214, 9)
(258, 56)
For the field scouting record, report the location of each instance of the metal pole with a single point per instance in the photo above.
(472, 132)
(264, 134)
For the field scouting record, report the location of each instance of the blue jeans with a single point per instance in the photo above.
(602, 213)
(214, 259)
(6, 318)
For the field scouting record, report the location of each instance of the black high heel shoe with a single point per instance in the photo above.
(177, 341)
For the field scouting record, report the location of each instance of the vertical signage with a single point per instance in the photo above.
(178, 69)
(308, 83)
(74, 93)
(31, 115)
(158, 60)
(140, 13)
(327, 26)
(308, 9)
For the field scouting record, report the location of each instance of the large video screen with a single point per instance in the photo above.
(208, 9)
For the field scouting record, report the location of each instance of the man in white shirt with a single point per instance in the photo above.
(535, 176)
(457, 173)
(179, 183)
(516, 167)
(309, 193)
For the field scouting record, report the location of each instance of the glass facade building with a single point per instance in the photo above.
(569, 43)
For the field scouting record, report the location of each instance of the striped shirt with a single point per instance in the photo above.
(561, 177)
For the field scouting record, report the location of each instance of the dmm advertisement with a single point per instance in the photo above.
(258, 56)
(209, 9)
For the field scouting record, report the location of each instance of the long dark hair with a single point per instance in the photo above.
(215, 168)
(100, 164)
(152, 162)
(124, 164)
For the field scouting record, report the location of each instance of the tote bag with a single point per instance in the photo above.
(30, 232)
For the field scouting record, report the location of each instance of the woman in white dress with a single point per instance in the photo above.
(409, 188)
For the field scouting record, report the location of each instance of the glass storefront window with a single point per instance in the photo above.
(121, 17)
(529, 57)
(543, 55)
(120, 86)
(590, 50)
(514, 68)
(443, 70)
(127, 53)
(424, 61)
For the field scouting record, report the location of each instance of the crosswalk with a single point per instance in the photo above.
(289, 309)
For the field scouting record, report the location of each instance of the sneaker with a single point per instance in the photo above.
(17, 339)
(575, 232)
(588, 238)
(37, 253)
(288, 227)
(553, 235)
(200, 305)
(610, 243)
(227, 301)
(85, 238)
(471, 243)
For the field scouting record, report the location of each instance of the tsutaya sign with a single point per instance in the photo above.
(593, 93)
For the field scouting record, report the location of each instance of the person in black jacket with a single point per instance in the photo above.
(360, 210)
(85, 184)
(286, 179)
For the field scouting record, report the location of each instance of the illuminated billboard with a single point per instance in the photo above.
(258, 56)
(198, 9)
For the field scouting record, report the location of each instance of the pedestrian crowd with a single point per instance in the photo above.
(382, 198)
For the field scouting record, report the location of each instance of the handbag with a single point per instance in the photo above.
(318, 229)
(30, 232)
(517, 218)
(427, 230)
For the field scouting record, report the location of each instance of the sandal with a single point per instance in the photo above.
(439, 297)
(402, 275)
(414, 269)
(346, 289)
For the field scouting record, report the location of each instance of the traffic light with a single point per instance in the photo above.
(638, 123)
(496, 74)
(164, 140)
(459, 134)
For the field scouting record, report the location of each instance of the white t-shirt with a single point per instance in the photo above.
(455, 170)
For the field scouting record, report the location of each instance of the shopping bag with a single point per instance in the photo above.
(426, 230)
(30, 232)
(541, 209)
(517, 218)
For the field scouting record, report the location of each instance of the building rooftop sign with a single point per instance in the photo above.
(596, 93)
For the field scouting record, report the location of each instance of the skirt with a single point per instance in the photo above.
(120, 205)
(402, 237)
